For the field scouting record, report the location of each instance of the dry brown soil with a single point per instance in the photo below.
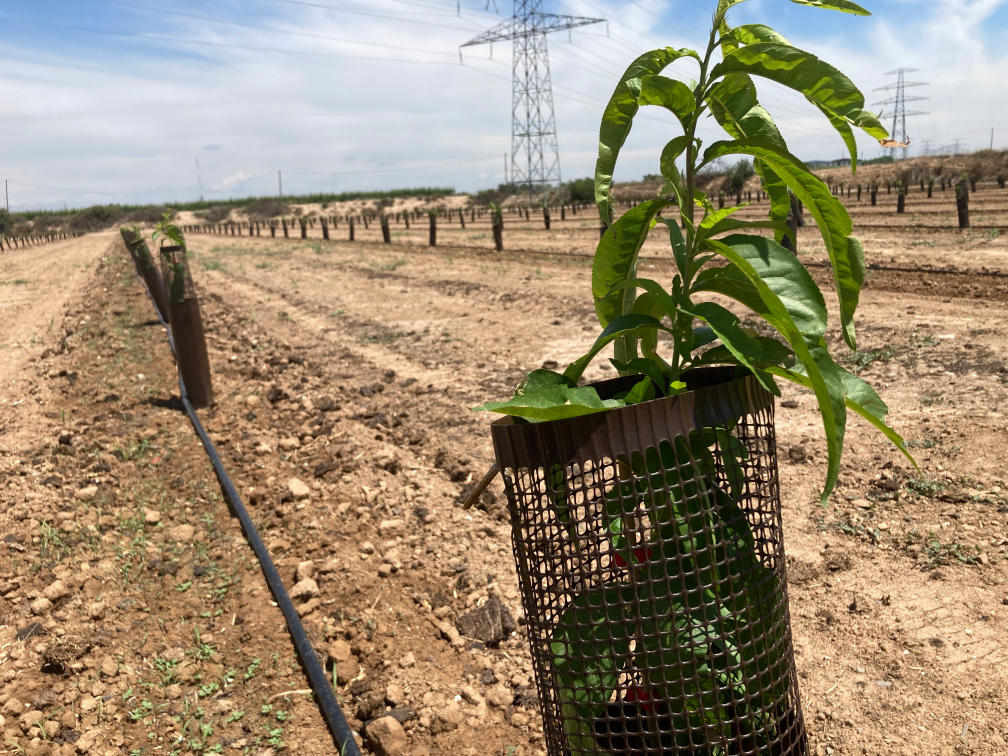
(351, 367)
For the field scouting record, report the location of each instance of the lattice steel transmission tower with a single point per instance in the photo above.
(899, 112)
(535, 155)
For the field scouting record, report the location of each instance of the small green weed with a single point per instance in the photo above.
(862, 360)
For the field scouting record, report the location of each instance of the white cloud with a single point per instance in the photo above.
(123, 121)
(231, 181)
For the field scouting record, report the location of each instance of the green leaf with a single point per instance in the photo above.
(720, 222)
(844, 6)
(616, 257)
(725, 325)
(865, 401)
(751, 34)
(773, 353)
(734, 105)
(782, 273)
(713, 218)
(805, 73)
(825, 381)
(552, 403)
(642, 366)
(861, 392)
(540, 379)
(644, 391)
(617, 327)
(845, 252)
(617, 118)
(669, 170)
(678, 245)
(667, 93)
(862, 399)
(846, 132)
(646, 305)
(734, 224)
(703, 336)
(724, 5)
(742, 346)
(655, 290)
(670, 153)
(777, 192)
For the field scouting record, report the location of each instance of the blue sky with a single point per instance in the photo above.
(109, 101)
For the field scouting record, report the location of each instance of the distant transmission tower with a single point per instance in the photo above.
(899, 112)
(535, 155)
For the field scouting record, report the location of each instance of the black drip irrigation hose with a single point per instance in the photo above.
(915, 269)
(317, 677)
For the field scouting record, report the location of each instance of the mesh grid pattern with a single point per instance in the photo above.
(649, 553)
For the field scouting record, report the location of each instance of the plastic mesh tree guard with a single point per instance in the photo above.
(651, 564)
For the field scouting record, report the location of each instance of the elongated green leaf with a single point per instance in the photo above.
(805, 73)
(861, 392)
(751, 34)
(703, 336)
(712, 218)
(859, 397)
(644, 391)
(642, 366)
(655, 290)
(720, 222)
(844, 6)
(540, 379)
(865, 401)
(552, 403)
(825, 381)
(669, 155)
(725, 325)
(845, 131)
(616, 257)
(735, 106)
(617, 327)
(740, 344)
(663, 305)
(733, 224)
(724, 5)
(773, 353)
(777, 192)
(619, 114)
(667, 93)
(782, 273)
(647, 305)
(845, 252)
(678, 245)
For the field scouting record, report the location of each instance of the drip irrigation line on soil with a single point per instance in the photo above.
(317, 677)
(936, 271)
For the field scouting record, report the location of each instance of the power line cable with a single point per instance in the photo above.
(333, 8)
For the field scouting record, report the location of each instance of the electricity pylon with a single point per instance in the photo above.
(899, 112)
(535, 155)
